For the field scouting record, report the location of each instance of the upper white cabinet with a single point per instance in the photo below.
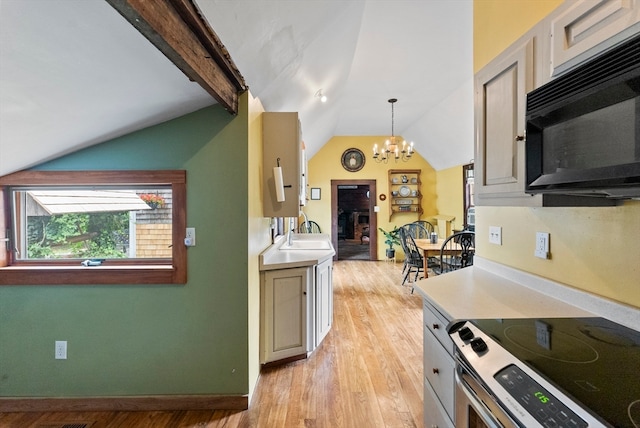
(580, 29)
(282, 145)
(500, 101)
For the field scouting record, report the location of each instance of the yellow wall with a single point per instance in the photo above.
(450, 196)
(325, 166)
(498, 23)
(592, 249)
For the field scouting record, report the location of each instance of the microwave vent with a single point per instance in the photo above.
(618, 63)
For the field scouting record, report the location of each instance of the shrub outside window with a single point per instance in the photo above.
(93, 227)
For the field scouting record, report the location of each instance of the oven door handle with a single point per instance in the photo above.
(477, 404)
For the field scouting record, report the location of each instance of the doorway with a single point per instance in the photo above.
(353, 220)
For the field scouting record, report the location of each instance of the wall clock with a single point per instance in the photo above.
(353, 160)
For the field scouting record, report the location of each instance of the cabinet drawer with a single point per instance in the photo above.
(434, 414)
(436, 324)
(439, 369)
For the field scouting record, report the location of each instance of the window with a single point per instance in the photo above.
(93, 227)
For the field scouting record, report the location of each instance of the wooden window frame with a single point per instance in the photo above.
(129, 271)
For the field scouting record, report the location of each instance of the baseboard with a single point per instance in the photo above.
(133, 403)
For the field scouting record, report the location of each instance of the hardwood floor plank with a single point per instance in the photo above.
(366, 373)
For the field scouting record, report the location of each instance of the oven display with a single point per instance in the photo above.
(543, 406)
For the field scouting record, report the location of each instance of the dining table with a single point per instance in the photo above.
(430, 249)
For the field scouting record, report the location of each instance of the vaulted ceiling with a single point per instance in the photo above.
(76, 73)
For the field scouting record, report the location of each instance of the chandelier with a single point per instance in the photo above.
(391, 148)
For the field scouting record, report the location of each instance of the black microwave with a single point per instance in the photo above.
(583, 129)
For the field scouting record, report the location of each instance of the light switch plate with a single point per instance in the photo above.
(495, 235)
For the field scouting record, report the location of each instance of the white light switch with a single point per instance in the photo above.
(495, 235)
(376, 209)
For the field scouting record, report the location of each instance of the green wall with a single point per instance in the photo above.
(145, 339)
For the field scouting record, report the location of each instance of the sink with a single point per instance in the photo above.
(306, 244)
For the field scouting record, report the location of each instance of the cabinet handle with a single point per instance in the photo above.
(519, 137)
(436, 326)
(436, 371)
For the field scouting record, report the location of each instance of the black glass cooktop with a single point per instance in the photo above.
(593, 360)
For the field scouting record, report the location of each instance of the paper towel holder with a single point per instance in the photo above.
(278, 163)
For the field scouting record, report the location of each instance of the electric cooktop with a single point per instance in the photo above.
(594, 361)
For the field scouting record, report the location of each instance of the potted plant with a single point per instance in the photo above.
(391, 240)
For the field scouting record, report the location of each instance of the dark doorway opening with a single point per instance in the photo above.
(353, 221)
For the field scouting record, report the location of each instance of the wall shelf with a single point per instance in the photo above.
(405, 194)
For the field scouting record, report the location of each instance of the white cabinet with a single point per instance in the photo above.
(500, 102)
(282, 145)
(435, 416)
(284, 304)
(323, 300)
(439, 370)
(581, 29)
(296, 308)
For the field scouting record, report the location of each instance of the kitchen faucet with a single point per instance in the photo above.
(290, 234)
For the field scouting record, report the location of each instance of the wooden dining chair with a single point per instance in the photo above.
(427, 226)
(457, 252)
(412, 255)
(309, 227)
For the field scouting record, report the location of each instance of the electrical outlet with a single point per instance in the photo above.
(190, 238)
(542, 245)
(61, 350)
(495, 235)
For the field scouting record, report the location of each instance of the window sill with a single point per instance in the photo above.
(93, 275)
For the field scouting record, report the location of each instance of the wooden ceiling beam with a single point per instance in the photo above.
(179, 31)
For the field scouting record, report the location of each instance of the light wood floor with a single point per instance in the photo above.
(366, 373)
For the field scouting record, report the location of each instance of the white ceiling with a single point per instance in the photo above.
(74, 73)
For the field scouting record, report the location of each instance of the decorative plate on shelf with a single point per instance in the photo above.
(353, 160)
(404, 191)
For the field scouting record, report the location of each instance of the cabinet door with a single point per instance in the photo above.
(323, 300)
(500, 96)
(284, 313)
(439, 370)
(583, 28)
(434, 414)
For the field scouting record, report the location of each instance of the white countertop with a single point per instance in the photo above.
(492, 290)
(274, 258)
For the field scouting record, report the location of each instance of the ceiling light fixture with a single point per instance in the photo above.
(391, 147)
(319, 94)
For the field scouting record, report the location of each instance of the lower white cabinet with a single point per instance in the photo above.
(296, 308)
(284, 304)
(323, 300)
(435, 416)
(439, 371)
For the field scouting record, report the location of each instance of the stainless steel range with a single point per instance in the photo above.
(554, 372)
